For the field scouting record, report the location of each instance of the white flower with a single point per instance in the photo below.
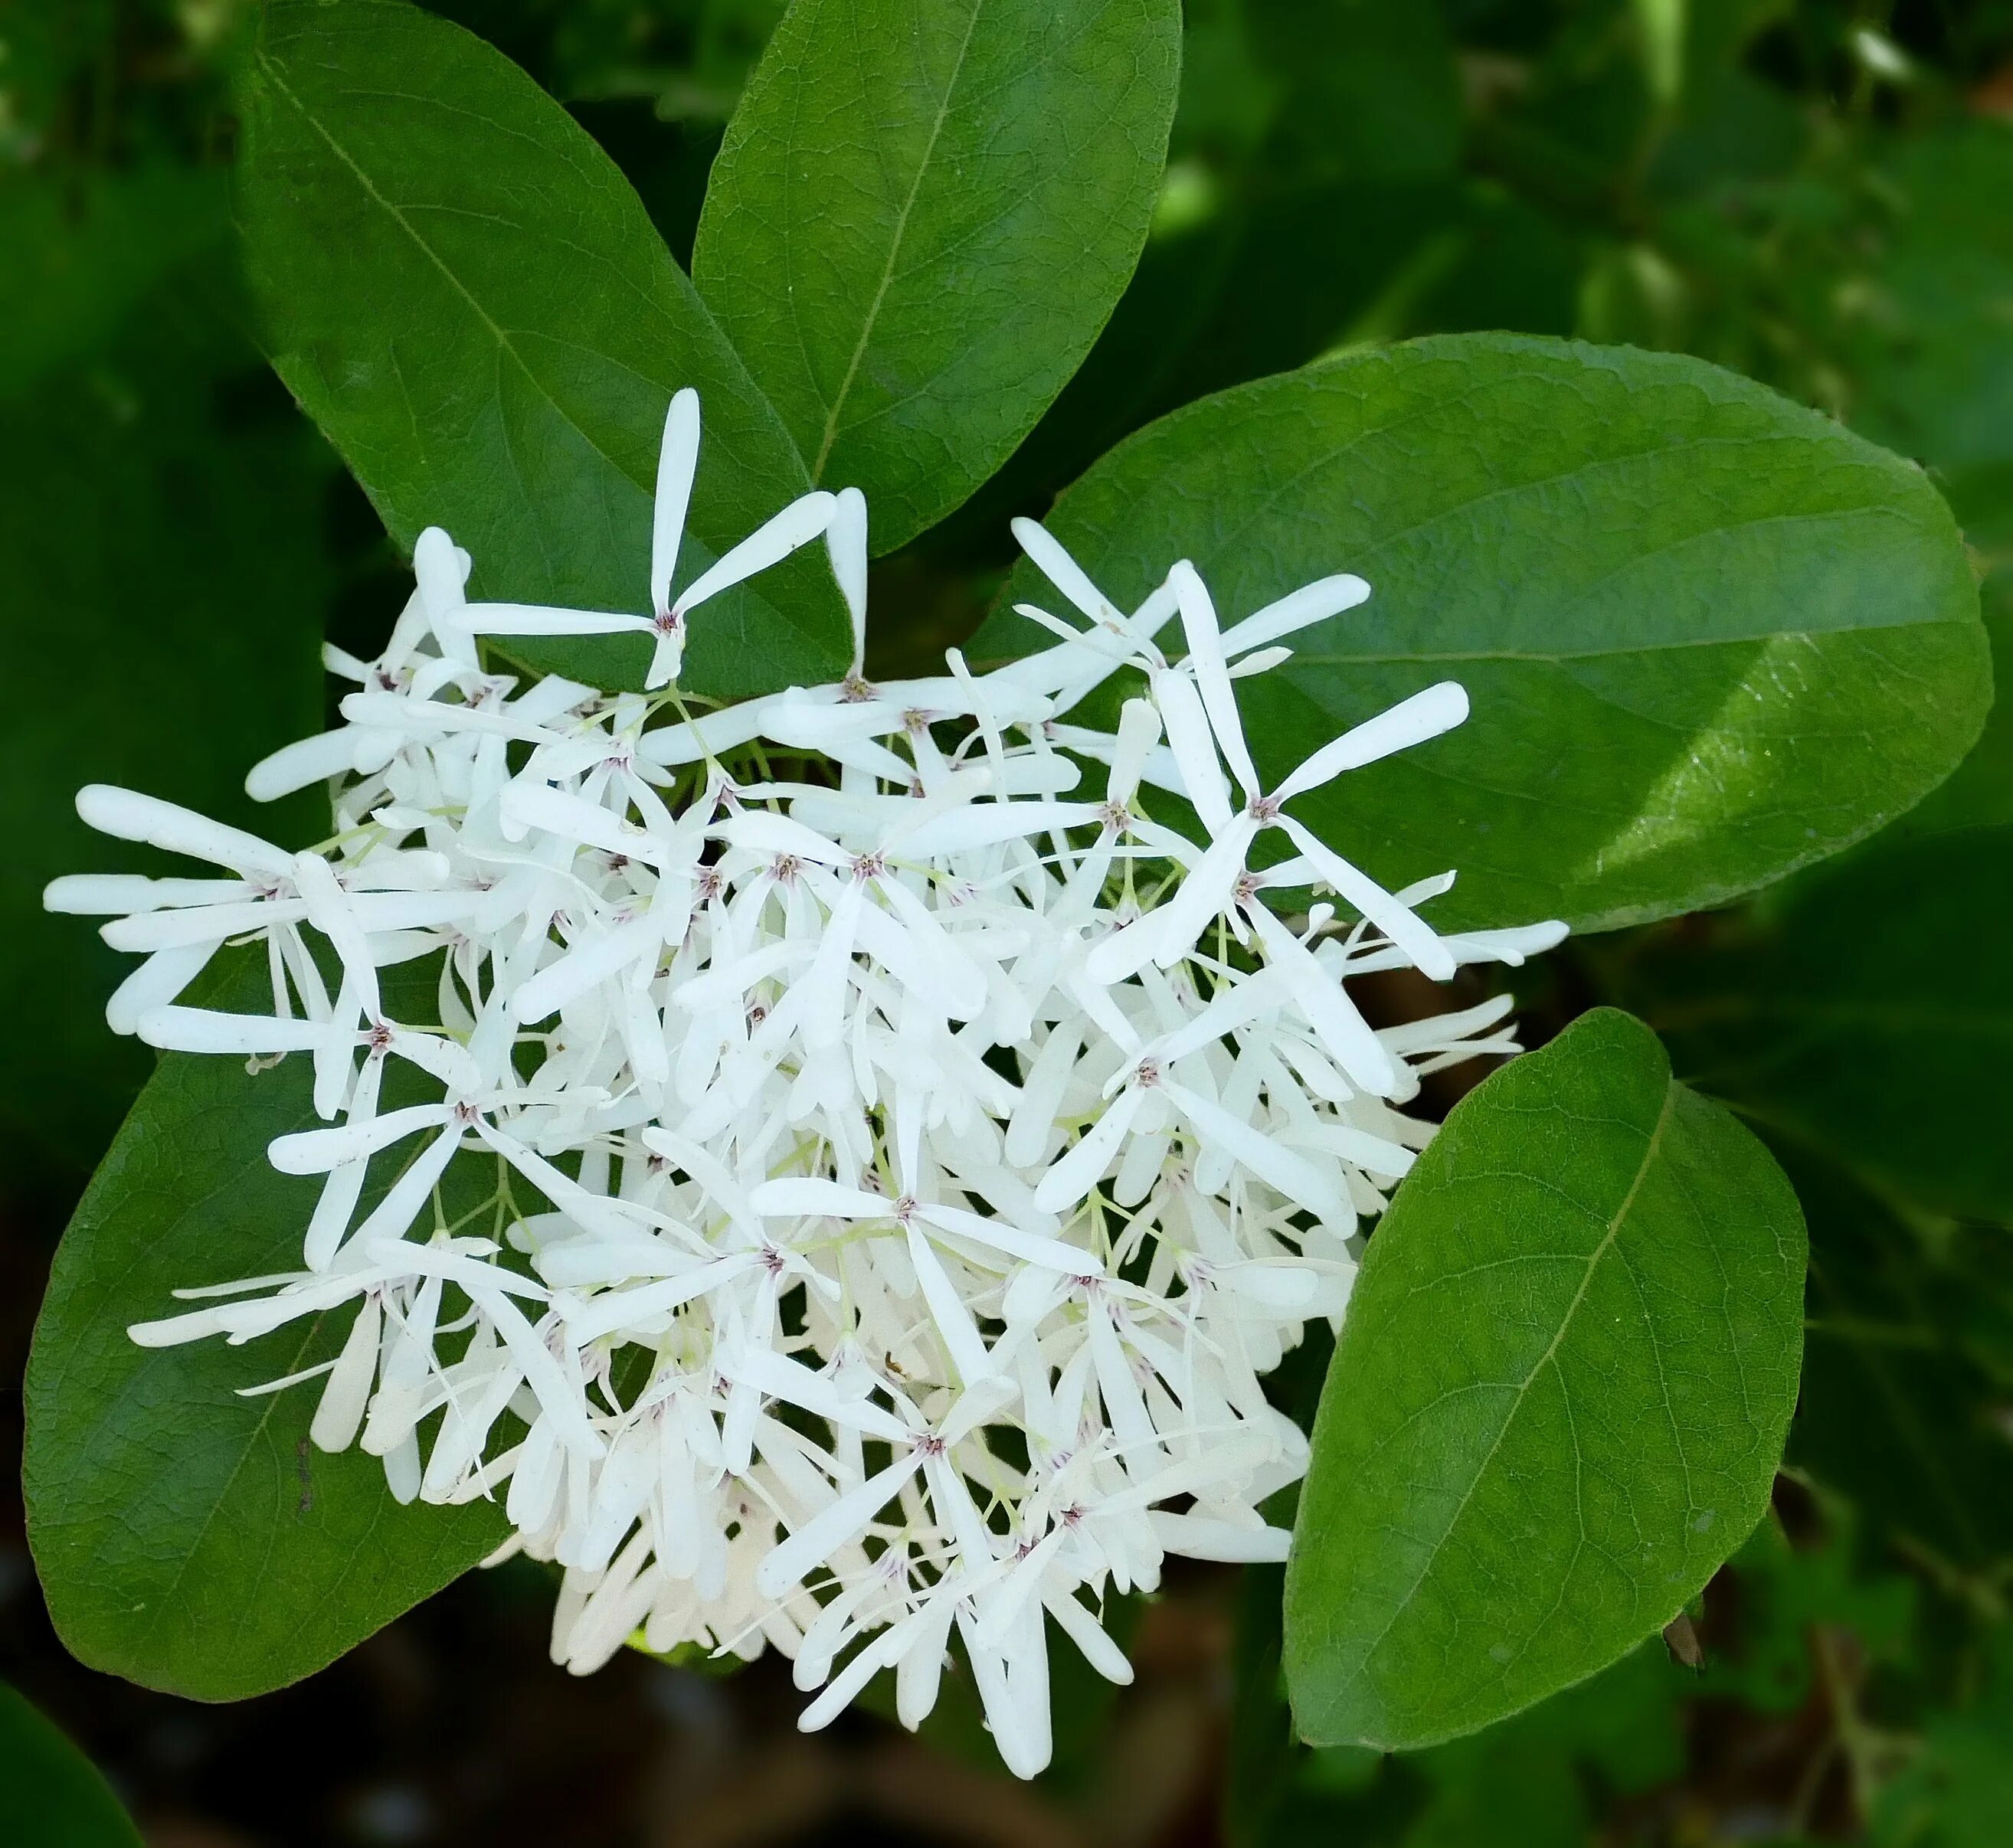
(803, 520)
(909, 1152)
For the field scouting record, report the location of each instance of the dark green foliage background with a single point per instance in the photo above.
(1756, 183)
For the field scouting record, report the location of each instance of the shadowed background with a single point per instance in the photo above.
(1815, 195)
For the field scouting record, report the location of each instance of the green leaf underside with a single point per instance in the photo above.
(1557, 1403)
(464, 292)
(1708, 636)
(187, 1538)
(920, 218)
(1870, 1015)
(51, 1794)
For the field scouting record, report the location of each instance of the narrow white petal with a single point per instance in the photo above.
(1203, 895)
(126, 815)
(799, 523)
(304, 761)
(1199, 1536)
(845, 540)
(677, 461)
(202, 1030)
(1084, 1630)
(811, 1545)
(315, 1151)
(780, 1377)
(1296, 610)
(1063, 571)
(120, 895)
(1083, 1164)
(537, 619)
(156, 982)
(807, 1195)
(1212, 679)
(884, 1650)
(1328, 1007)
(1191, 740)
(1426, 714)
(1292, 1173)
(1417, 940)
(954, 1325)
(1031, 1248)
(340, 1411)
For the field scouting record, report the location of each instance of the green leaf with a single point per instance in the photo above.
(51, 1794)
(920, 218)
(463, 291)
(1558, 1401)
(187, 1538)
(1708, 636)
(1865, 1016)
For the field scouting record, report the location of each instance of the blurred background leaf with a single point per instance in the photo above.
(50, 1796)
(1856, 1013)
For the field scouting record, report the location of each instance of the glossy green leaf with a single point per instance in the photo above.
(1558, 1401)
(921, 217)
(1867, 1016)
(1708, 636)
(464, 293)
(187, 1537)
(51, 1794)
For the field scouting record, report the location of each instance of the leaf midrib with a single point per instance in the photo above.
(831, 434)
(269, 69)
(1650, 1153)
(398, 217)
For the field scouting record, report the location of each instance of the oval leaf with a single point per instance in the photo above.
(1709, 636)
(51, 1794)
(1558, 1401)
(187, 1538)
(463, 291)
(922, 216)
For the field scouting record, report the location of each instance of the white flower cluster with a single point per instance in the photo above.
(908, 1160)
